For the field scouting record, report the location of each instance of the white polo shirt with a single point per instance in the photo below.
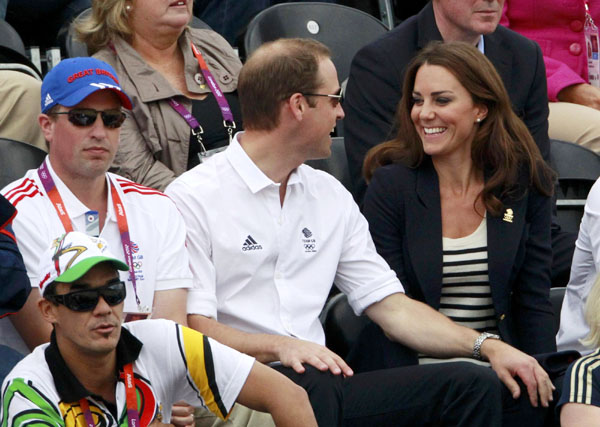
(261, 267)
(156, 230)
(584, 271)
(170, 363)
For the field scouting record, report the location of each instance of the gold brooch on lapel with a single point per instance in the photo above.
(508, 215)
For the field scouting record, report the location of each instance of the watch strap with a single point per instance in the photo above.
(479, 341)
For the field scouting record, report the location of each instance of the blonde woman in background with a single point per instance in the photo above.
(579, 404)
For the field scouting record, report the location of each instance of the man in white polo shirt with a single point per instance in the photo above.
(81, 116)
(268, 236)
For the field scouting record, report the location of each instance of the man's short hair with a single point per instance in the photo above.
(273, 73)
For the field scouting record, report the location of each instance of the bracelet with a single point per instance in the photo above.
(479, 341)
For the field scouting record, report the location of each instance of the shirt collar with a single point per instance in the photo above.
(75, 207)
(254, 178)
(67, 385)
(481, 45)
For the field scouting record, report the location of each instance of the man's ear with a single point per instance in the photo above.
(48, 310)
(46, 124)
(297, 105)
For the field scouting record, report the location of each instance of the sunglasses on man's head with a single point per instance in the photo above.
(87, 116)
(87, 299)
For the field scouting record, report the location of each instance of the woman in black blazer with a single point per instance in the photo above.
(459, 203)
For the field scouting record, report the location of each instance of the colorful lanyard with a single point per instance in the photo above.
(228, 121)
(61, 210)
(133, 416)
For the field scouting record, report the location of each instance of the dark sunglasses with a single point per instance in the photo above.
(87, 116)
(335, 98)
(87, 299)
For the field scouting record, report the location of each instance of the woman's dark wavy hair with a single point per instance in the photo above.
(502, 145)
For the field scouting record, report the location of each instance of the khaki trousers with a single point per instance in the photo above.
(575, 123)
(240, 416)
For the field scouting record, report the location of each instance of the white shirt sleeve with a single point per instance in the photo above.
(362, 274)
(191, 366)
(202, 297)
(584, 270)
(173, 270)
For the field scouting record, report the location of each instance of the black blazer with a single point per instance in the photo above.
(403, 208)
(377, 73)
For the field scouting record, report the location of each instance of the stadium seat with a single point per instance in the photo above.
(10, 38)
(577, 168)
(12, 52)
(16, 158)
(556, 299)
(343, 29)
(336, 164)
(342, 327)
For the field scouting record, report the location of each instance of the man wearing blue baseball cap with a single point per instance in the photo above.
(81, 111)
(99, 373)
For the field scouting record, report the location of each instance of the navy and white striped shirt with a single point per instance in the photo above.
(466, 295)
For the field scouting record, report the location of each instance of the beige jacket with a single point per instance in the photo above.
(154, 142)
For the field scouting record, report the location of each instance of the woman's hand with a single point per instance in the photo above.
(582, 94)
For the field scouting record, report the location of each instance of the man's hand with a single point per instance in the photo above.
(293, 352)
(182, 414)
(509, 362)
(582, 94)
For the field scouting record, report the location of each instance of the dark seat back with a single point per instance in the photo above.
(343, 29)
(12, 52)
(16, 158)
(10, 38)
(336, 164)
(577, 168)
(342, 326)
(556, 299)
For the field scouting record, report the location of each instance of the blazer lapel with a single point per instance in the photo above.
(504, 236)
(424, 231)
(500, 56)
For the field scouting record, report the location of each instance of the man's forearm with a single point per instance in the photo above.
(263, 347)
(290, 351)
(422, 328)
(267, 390)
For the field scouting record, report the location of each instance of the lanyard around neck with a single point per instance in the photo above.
(588, 15)
(61, 210)
(228, 121)
(133, 415)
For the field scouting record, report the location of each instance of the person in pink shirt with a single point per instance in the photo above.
(558, 27)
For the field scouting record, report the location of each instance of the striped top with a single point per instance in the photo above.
(582, 381)
(466, 296)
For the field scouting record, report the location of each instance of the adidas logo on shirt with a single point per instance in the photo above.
(250, 245)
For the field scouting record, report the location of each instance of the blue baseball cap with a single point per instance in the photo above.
(74, 79)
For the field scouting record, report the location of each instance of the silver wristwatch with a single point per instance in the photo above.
(479, 341)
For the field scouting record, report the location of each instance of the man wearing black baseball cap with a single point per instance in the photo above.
(97, 372)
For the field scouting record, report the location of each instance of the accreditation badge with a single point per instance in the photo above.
(591, 48)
